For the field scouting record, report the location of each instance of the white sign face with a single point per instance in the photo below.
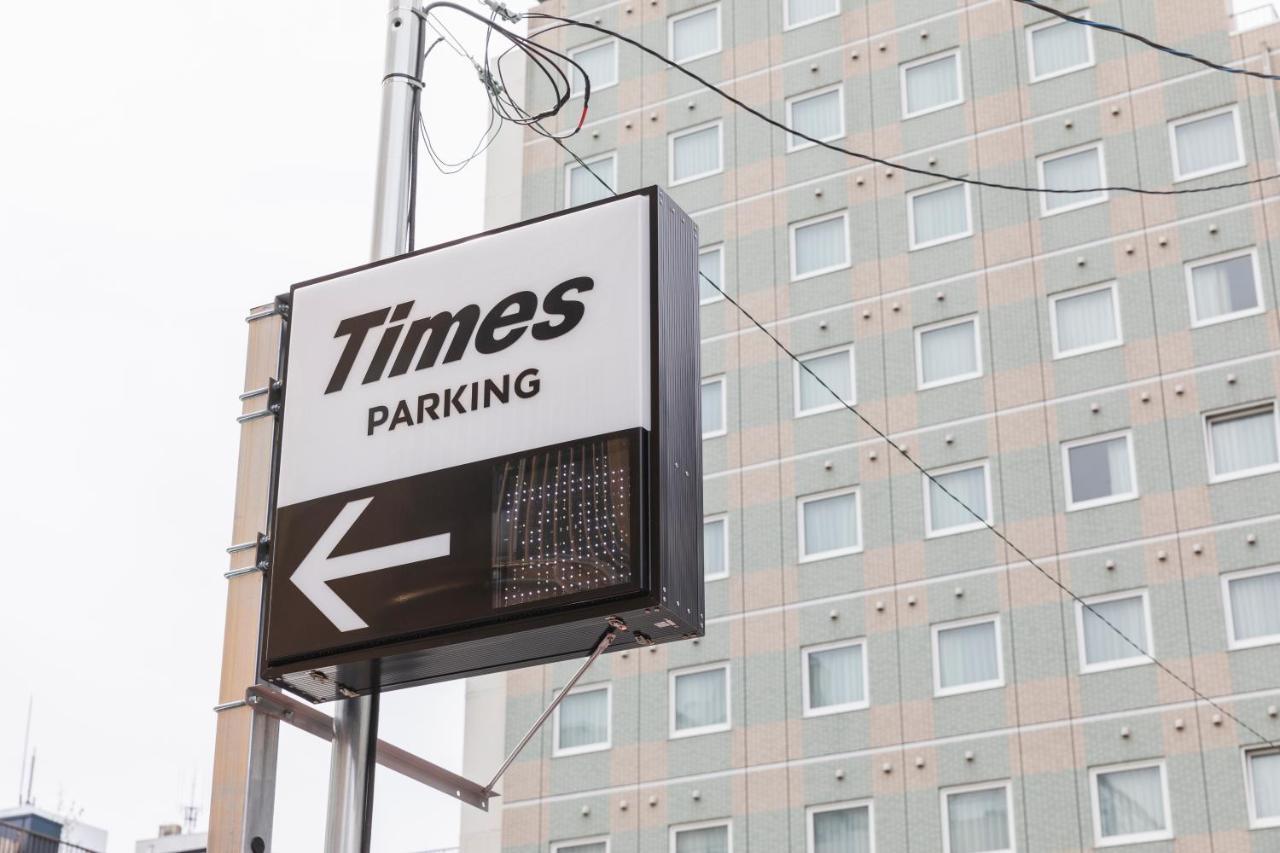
(515, 340)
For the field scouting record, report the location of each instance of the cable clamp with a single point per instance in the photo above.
(408, 78)
(487, 78)
(501, 10)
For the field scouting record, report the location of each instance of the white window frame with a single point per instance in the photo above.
(1102, 197)
(944, 793)
(920, 331)
(814, 220)
(1133, 837)
(717, 296)
(1046, 24)
(797, 370)
(576, 49)
(1139, 659)
(838, 552)
(838, 88)
(1241, 159)
(930, 532)
(809, 710)
(1191, 266)
(1247, 753)
(1058, 352)
(1072, 504)
(568, 843)
(1251, 642)
(589, 161)
(718, 124)
(977, 686)
(788, 24)
(672, 732)
(724, 405)
(719, 516)
(1227, 414)
(925, 60)
(912, 245)
(868, 804)
(559, 752)
(702, 824)
(671, 32)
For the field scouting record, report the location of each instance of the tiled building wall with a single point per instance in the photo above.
(1050, 723)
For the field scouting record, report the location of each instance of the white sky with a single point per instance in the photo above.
(163, 168)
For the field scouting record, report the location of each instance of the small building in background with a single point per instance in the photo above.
(171, 839)
(29, 825)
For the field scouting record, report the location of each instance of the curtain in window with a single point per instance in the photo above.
(831, 524)
(1058, 47)
(1207, 143)
(700, 699)
(821, 245)
(709, 265)
(1100, 470)
(799, 11)
(593, 847)
(584, 188)
(817, 116)
(1243, 441)
(947, 352)
(1130, 801)
(835, 677)
(932, 84)
(939, 214)
(833, 369)
(968, 655)
(1086, 320)
(600, 65)
(695, 153)
(842, 831)
(1264, 772)
(1079, 171)
(978, 821)
(1224, 287)
(1101, 643)
(713, 555)
(970, 489)
(713, 406)
(1255, 606)
(584, 719)
(711, 839)
(695, 35)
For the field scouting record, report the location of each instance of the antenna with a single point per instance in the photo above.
(191, 811)
(26, 743)
(31, 778)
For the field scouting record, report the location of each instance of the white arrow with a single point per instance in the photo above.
(314, 573)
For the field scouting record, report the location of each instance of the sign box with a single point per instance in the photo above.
(486, 450)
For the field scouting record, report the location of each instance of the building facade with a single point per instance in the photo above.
(1095, 374)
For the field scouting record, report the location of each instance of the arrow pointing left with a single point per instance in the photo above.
(318, 568)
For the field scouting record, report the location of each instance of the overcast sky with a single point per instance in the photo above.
(163, 168)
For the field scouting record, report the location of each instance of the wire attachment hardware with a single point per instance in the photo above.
(501, 10)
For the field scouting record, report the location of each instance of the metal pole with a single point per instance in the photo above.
(355, 742)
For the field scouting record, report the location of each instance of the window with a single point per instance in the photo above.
(835, 369)
(1262, 780)
(938, 215)
(969, 486)
(1252, 600)
(966, 656)
(714, 837)
(1099, 470)
(841, 828)
(801, 12)
(581, 187)
(583, 721)
(1130, 804)
(700, 700)
(977, 819)
(1085, 320)
(600, 61)
(819, 246)
(713, 419)
(932, 83)
(835, 678)
(582, 845)
(695, 153)
(1078, 169)
(1206, 143)
(1101, 647)
(715, 547)
(818, 115)
(711, 265)
(1243, 442)
(694, 34)
(1058, 47)
(947, 352)
(1224, 288)
(829, 525)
